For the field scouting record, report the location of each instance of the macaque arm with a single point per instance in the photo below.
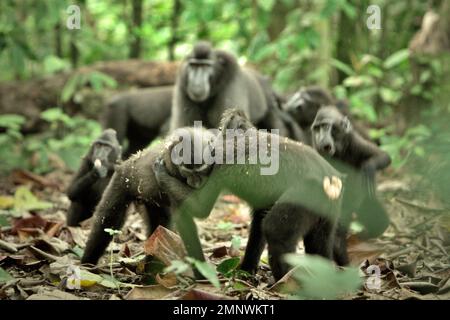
(81, 183)
(110, 213)
(376, 158)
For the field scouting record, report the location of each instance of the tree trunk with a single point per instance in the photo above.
(58, 40)
(174, 27)
(136, 25)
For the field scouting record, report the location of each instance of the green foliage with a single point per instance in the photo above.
(207, 270)
(67, 137)
(178, 267)
(374, 83)
(112, 232)
(97, 80)
(319, 278)
(4, 276)
(228, 266)
(411, 144)
(25, 200)
(296, 43)
(204, 268)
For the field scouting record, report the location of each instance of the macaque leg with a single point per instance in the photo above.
(77, 213)
(110, 213)
(283, 226)
(255, 244)
(340, 254)
(157, 216)
(320, 238)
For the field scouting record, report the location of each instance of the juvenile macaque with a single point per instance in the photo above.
(92, 177)
(334, 137)
(134, 181)
(306, 102)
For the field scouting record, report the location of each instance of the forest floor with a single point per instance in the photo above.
(39, 255)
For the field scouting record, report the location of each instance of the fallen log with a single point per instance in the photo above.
(30, 97)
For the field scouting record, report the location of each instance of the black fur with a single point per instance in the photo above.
(288, 206)
(210, 81)
(90, 181)
(306, 102)
(134, 181)
(139, 116)
(333, 136)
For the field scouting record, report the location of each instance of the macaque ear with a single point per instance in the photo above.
(346, 125)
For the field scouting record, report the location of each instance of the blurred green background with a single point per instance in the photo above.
(402, 94)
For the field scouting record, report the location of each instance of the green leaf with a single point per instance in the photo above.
(342, 67)
(4, 220)
(4, 276)
(11, 121)
(70, 87)
(357, 81)
(207, 270)
(266, 5)
(228, 265)
(178, 267)
(78, 251)
(319, 278)
(25, 200)
(239, 286)
(88, 279)
(225, 225)
(112, 232)
(396, 58)
(390, 96)
(236, 242)
(98, 80)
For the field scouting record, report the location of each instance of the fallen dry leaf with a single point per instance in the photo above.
(154, 292)
(359, 251)
(167, 280)
(33, 222)
(219, 252)
(55, 294)
(197, 294)
(24, 177)
(165, 245)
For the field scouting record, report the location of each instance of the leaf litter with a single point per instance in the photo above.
(39, 255)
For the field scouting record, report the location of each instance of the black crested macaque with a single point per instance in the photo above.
(134, 181)
(334, 138)
(276, 118)
(139, 116)
(288, 204)
(209, 81)
(92, 177)
(306, 102)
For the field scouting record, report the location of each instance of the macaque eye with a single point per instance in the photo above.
(334, 130)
